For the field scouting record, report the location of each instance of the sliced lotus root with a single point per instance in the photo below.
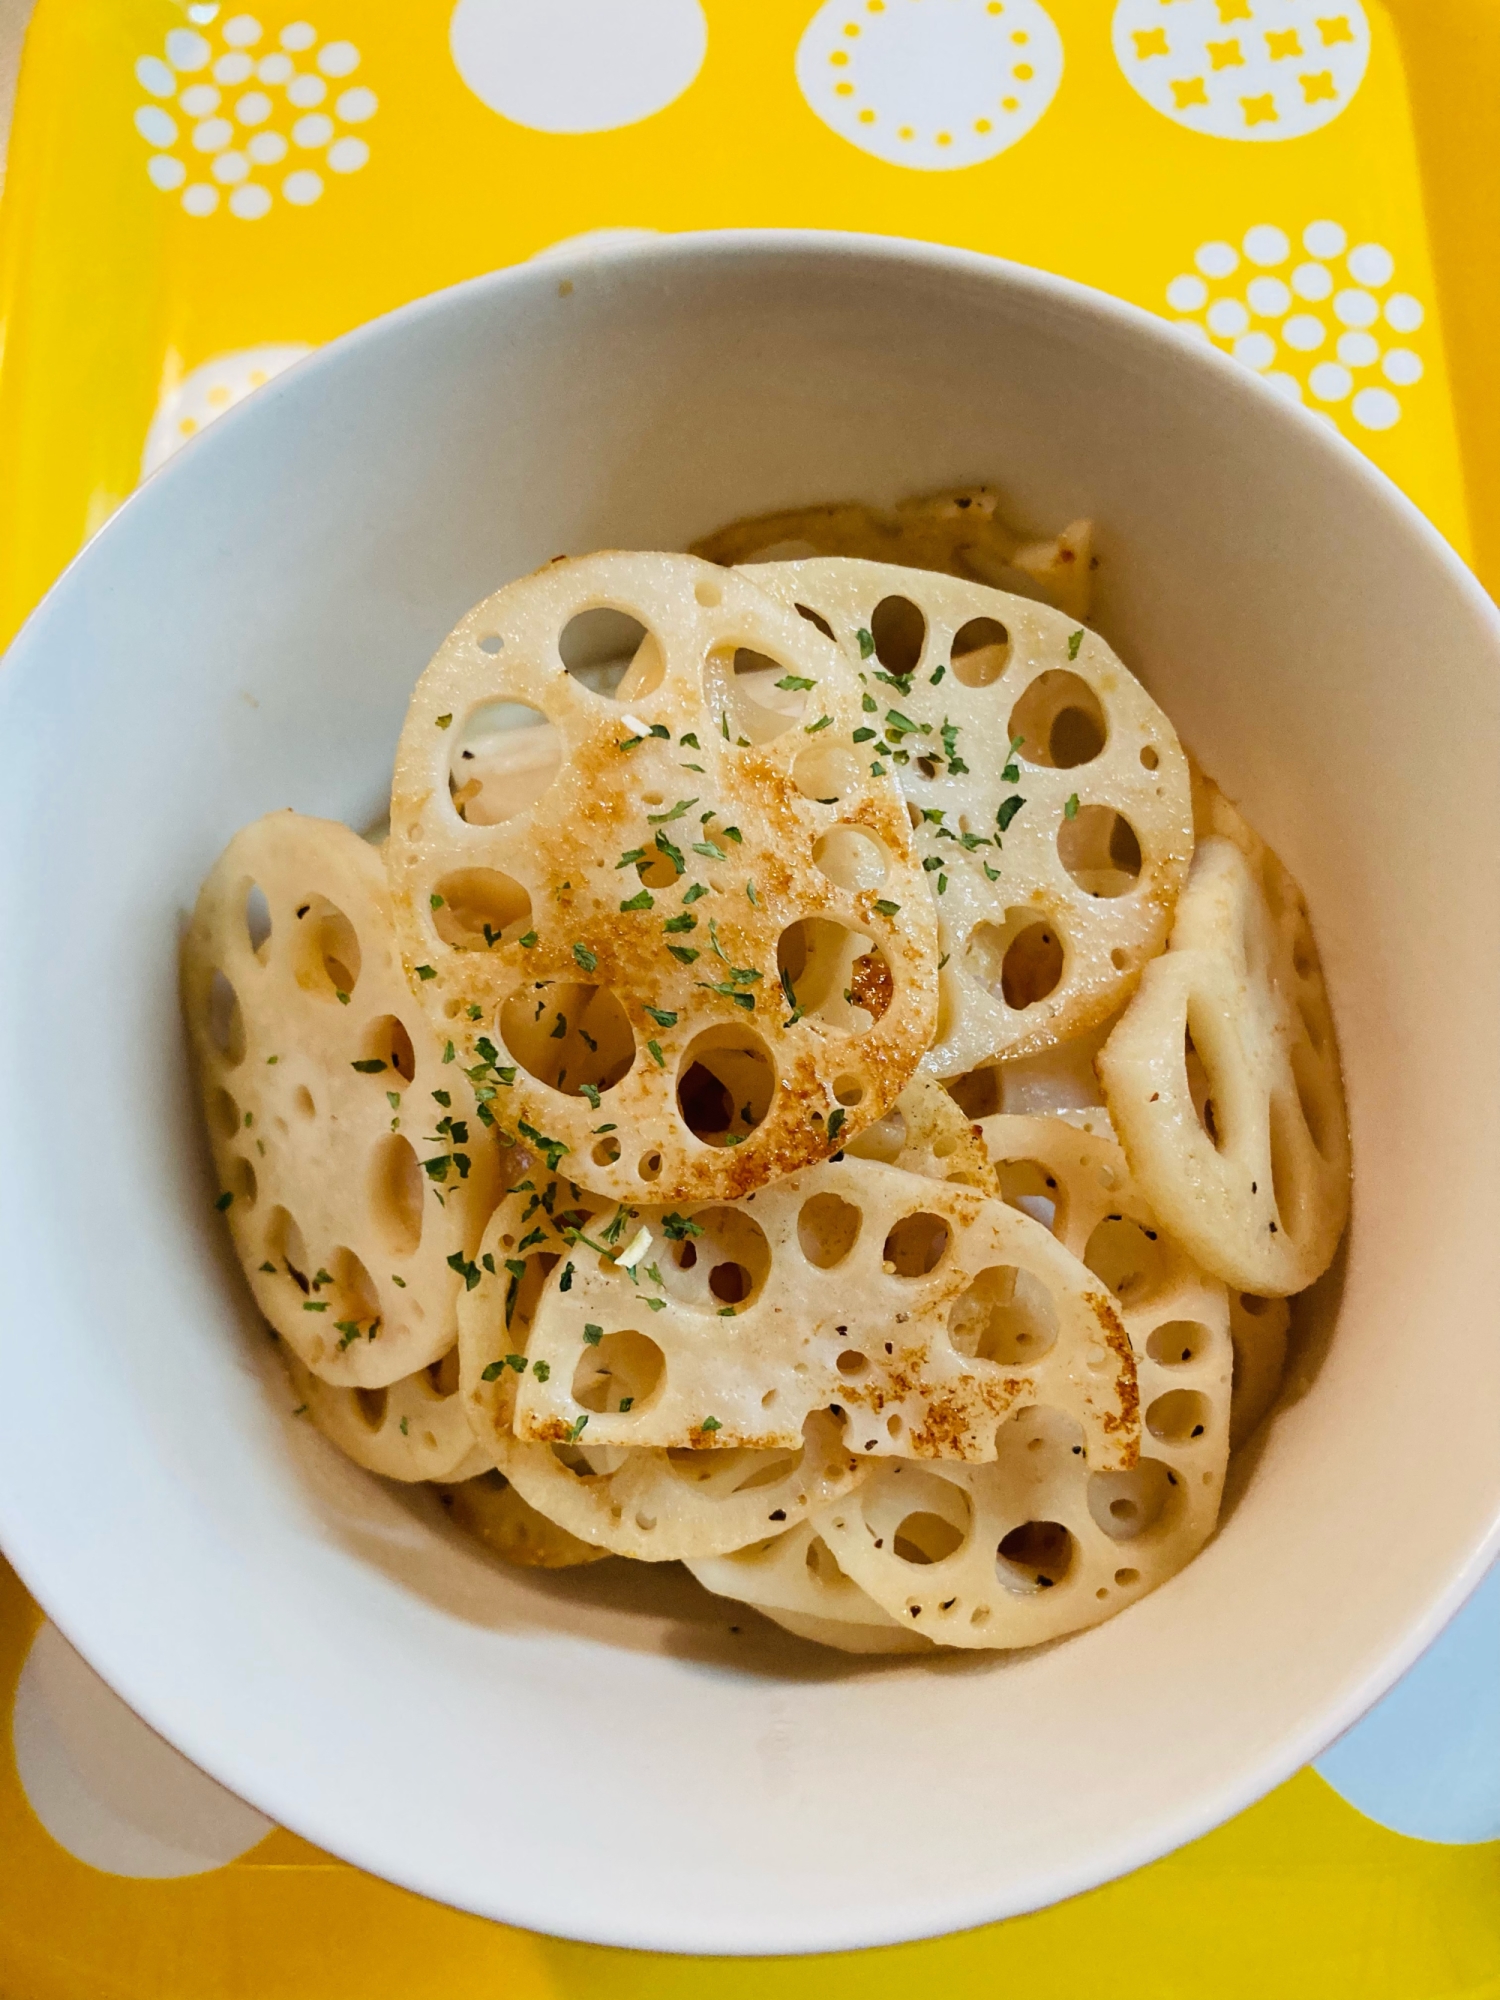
(654, 1505)
(925, 1133)
(1048, 791)
(1223, 1083)
(793, 1579)
(352, 1164)
(412, 1429)
(923, 1311)
(1078, 1185)
(1259, 1329)
(490, 1509)
(666, 1506)
(699, 951)
(959, 531)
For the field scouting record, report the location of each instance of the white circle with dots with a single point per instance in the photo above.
(936, 86)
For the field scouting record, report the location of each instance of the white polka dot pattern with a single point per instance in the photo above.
(217, 142)
(1309, 315)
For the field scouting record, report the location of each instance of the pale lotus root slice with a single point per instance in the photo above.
(412, 1429)
(490, 1509)
(1178, 1317)
(1259, 1329)
(352, 1164)
(701, 957)
(924, 1311)
(666, 1506)
(793, 1579)
(1222, 1080)
(960, 530)
(925, 1133)
(1053, 885)
(657, 1506)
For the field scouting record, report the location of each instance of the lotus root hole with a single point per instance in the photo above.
(725, 1263)
(1253, 1305)
(624, 1367)
(606, 1151)
(570, 1035)
(1178, 1343)
(1019, 961)
(899, 630)
(371, 1404)
(258, 921)
(1007, 1316)
(1149, 756)
(285, 1246)
(226, 1113)
(353, 1295)
(851, 1364)
(1179, 1417)
(726, 1084)
(916, 1245)
(302, 1102)
(1126, 1577)
(226, 1024)
(649, 1166)
(328, 950)
(709, 592)
(835, 975)
(398, 1195)
(443, 1374)
(506, 757)
(1030, 1187)
(478, 908)
(851, 858)
(827, 1229)
(1100, 850)
(981, 652)
(815, 618)
(612, 653)
(761, 708)
(1060, 721)
(826, 772)
(386, 1041)
(243, 1182)
(1125, 1504)
(977, 1093)
(1035, 1556)
(1201, 1090)
(1127, 1257)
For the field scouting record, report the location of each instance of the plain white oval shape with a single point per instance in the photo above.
(266, 148)
(1403, 312)
(1187, 294)
(275, 68)
(577, 65)
(306, 91)
(187, 50)
(1268, 297)
(1304, 332)
(1358, 350)
(1267, 245)
(254, 108)
(165, 171)
(212, 135)
(347, 156)
(232, 69)
(338, 58)
(230, 168)
(1371, 264)
(152, 74)
(242, 31)
(1354, 308)
(316, 129)
(1255, 350)
(250, 202)
(1227, 317)
(200, 100)
(271, 1609)
(1285, 385)
(1324, 239)
(1376, 409)
(1217, 260)
(299, 35)
(356, 105)
(106, 1787)
(1402, 367)
(1330, 382)
(200, 199)
(1313, 282)
(155, 126)
(302, 188)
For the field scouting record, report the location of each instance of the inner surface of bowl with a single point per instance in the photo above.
(602, 1755)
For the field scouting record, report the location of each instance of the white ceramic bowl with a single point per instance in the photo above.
(595, 1754)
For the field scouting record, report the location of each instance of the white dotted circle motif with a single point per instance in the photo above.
(930, 84)
(577, 65)
(109, 1791)
(1336, 357)
(1244, 69)
(231, 139)
(216, 386)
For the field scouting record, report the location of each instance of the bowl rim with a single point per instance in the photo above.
(63, 1600)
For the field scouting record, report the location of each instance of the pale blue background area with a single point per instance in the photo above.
(1426, 1762)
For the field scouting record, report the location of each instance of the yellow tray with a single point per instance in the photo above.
(1309, 181)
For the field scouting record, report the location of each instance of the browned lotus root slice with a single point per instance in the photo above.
(1223, 1083)
(1056, 884)
(1259, 1330)
(717, 948)
(925, 1133)
(924, 1311)
(350, 1182)
(490, 1509)
(960, 531)
(663, 1506)
(793, 1579)
(413, 1429)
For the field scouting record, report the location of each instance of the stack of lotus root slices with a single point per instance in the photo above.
(812, 1085)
